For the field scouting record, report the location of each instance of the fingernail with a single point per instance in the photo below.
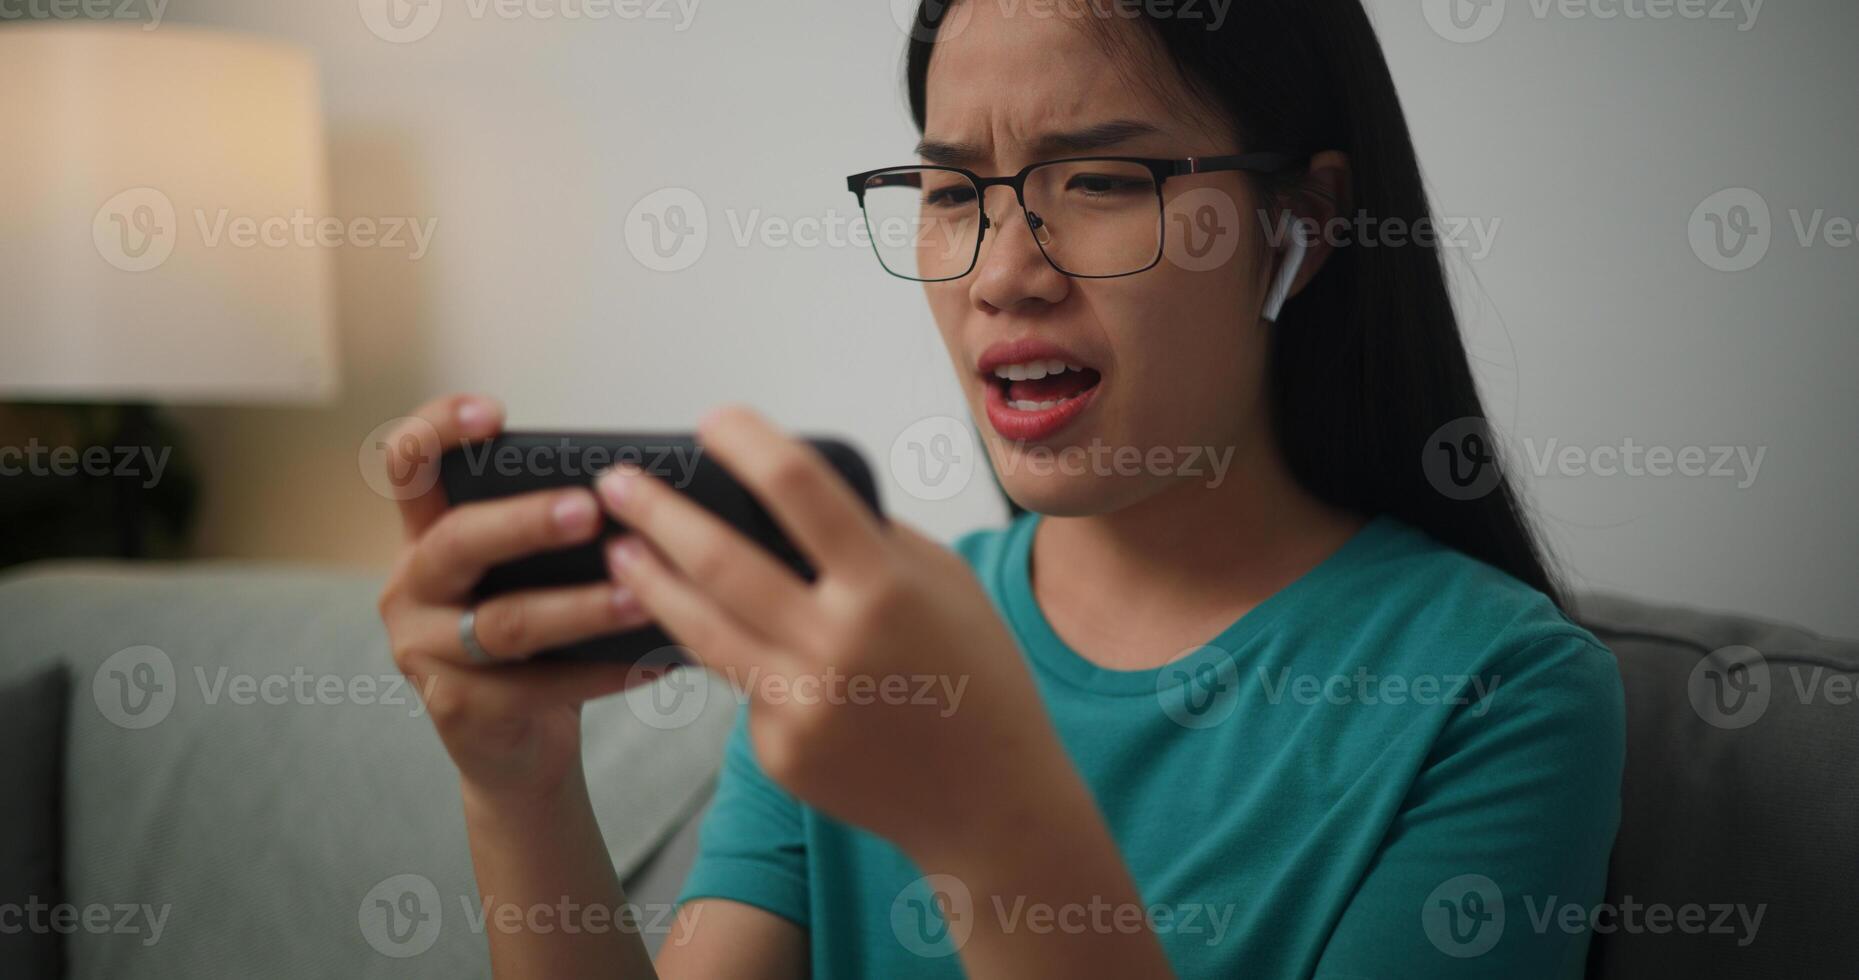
(623, 599)
(615, 483)
(574, 512)
(474, 416)
(623, 552)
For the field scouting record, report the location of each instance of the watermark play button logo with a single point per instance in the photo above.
(934, 458)
(136, 230)
(400, 916)
(665, 691)
(400, 21)
(1731, 231)
(1731, 687)
(933, 916)
(1460, 459)
(1200, 688)
(1464, 916)
(1202, 229)
(667, 230)
(135, 688)
(1464, 21)
(931, 20)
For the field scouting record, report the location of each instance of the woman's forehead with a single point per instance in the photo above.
(1011, 75)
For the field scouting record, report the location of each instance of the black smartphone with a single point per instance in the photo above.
(524, 462)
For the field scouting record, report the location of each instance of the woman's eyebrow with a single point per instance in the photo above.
(1090, 139)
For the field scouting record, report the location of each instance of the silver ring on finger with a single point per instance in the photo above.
(468, 638)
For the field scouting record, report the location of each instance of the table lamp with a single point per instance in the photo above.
(163, 234)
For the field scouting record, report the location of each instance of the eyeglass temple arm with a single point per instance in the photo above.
(1260, 163)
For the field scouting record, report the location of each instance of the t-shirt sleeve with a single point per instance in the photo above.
(752, 845)
(1506, 829)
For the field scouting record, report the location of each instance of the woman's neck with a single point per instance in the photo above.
(1136, 587)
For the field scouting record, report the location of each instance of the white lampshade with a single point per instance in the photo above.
(154, 188)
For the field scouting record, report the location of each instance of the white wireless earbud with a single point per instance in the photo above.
(1287, 275)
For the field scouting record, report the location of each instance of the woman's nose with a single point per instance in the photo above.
(1011, 271)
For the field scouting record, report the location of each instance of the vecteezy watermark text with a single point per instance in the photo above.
(935, 915)
(675, 463)
(678, 694)
(38, 459)
(138, 229)
(571, 918)
(137, 687)
(1629, 916)
(406, 21)
(1473, 236)
(943, 692)
(402, 916)
(1471, 21)
(64, 918)
(397, 458)
(1629, 458)
(1462, 459)
(1465, 917)
(1102, 459)
(1369, 688)
(117, 10)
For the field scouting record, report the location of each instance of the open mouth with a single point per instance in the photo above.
(1034, 389)
(1041, 385)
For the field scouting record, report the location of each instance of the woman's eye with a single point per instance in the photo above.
(1105, 184)
(948, 197)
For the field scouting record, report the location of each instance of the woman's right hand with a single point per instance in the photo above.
(513, 728)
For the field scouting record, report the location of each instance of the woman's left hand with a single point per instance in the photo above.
(887, 692)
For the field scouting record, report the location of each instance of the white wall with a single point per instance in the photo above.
(1590, 142)
(1594, 141)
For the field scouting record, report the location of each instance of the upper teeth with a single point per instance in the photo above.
(1034, 370)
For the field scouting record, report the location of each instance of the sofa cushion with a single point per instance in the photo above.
(32, 743)
(247, 777)
(1738, 852)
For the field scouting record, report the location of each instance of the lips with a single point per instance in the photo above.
(1035, 388)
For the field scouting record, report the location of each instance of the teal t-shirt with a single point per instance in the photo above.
(1406, 763)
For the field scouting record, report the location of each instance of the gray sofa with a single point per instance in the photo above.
(238, 755)
(239, 772)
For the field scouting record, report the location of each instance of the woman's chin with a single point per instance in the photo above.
(1062, 495)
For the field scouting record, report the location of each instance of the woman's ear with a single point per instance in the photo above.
(1308, 240)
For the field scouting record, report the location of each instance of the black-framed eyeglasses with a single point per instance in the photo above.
(1093, 217)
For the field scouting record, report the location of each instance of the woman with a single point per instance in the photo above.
(1314, 717)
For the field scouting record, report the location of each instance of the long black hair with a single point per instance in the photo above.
(1367, 363)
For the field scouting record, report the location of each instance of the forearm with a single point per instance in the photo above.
(552, 904)
(1051, 894)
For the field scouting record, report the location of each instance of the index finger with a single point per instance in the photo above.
(412, 449)
(820, 512)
